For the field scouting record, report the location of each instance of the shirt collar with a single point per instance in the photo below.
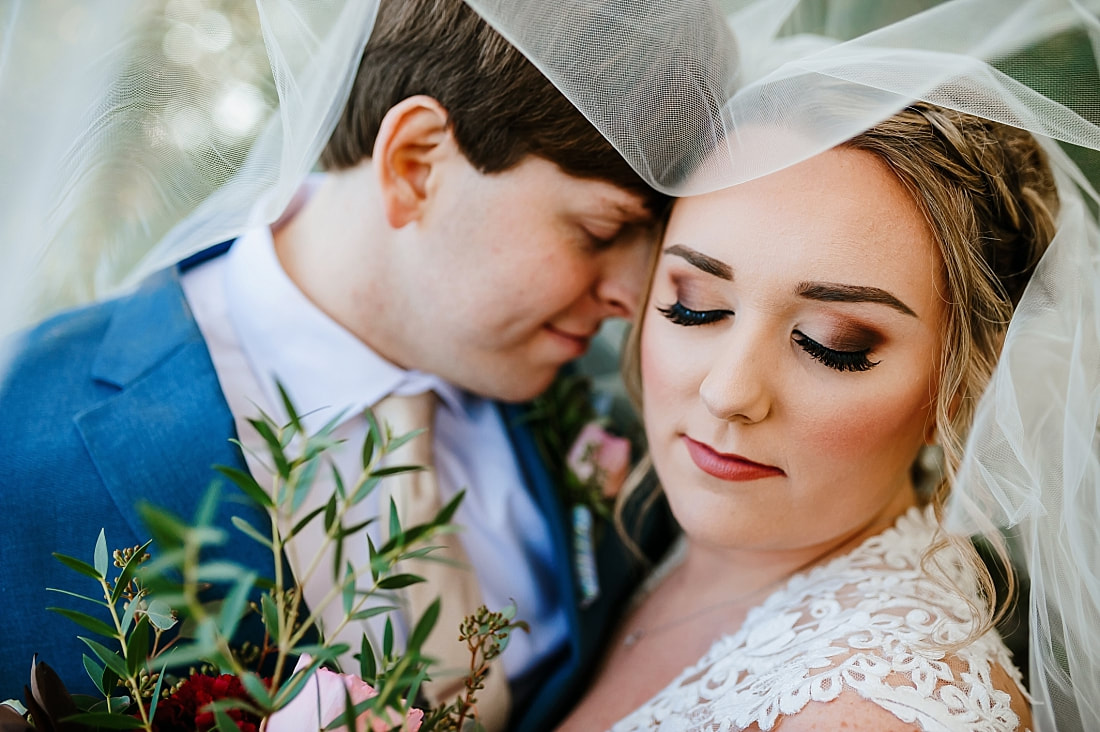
(288, 340)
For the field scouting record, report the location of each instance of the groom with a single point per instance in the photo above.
(471, 234)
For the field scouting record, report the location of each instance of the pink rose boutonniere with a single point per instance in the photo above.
(600, 460)
(597, 465)
(587, 462)
(322, 701)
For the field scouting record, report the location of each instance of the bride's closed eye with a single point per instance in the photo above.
(679, 314)
(833, 358)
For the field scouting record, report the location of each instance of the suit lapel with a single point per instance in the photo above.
(157, 438)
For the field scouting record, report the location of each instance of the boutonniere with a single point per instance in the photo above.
(588, 462)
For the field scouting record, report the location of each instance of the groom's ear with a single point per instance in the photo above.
(413, 139)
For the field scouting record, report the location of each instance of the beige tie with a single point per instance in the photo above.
(416, 496)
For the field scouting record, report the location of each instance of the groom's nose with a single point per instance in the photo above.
(625, 273)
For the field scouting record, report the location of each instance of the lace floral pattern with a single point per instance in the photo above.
(871, 621)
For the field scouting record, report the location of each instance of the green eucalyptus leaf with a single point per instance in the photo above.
(270, 615)
(424, 626)
(370, 612)
(397, 581)
(338, 482)
(447, 512)
(110, 680)
(110, 659)
(333, 423)
(355, 528)
(373, 438)
(128, 617)
(156, 692)
(303, 482)
(295, 420)
(128, 571)
(160, 614)
(92, 600)
(225, 723)
(95, 625)
(257, 690)
(397, 442)
(208, 506)
(80, 566)
(167, 530)
(247, 484)
(397, 470)
(337, 560)
(250, 531)
(137, 648)
(372, 553)
(395, 523)
(423, 553)
(101, 556)
(368, 667)
(387, 639)
(330, 513)
(275, 446)
(303, 523)
(322, 652)
(219, 571)
(366, 489)
(234, 605)
(95, 673)
(348, 589)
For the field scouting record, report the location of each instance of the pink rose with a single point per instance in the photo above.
(322, 701)
(598, 455)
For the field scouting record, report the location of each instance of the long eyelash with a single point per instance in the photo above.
(680, 315)
(839, 360)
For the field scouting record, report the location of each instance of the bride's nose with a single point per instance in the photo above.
(739, 383)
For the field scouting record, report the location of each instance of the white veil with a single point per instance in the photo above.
(107, 107)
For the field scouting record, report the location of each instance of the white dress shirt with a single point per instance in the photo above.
(260, 328)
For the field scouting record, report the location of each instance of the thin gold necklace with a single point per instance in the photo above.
(643, 632)
(636, 635)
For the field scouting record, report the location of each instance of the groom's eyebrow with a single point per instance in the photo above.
(710, 265)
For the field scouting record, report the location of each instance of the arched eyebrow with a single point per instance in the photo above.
(710, 265)
(833, 292)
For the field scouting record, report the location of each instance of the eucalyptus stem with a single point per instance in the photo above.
(132, 681)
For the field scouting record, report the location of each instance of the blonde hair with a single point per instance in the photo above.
(989, 198)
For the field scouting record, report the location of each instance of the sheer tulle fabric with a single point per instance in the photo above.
(97, 98)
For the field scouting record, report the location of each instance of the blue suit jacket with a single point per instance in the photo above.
(117, 403)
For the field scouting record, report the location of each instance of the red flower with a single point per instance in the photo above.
(183, 710)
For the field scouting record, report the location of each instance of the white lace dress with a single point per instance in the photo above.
(871, 622)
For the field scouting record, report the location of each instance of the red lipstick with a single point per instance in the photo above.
(727, 467)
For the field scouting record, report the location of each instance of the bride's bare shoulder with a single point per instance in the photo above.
(849, 711)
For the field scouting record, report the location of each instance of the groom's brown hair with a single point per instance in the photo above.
(501, 108)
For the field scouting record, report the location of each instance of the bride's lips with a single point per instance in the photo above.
(727, 467)
(578, 344)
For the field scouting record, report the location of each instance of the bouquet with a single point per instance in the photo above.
(161, 649)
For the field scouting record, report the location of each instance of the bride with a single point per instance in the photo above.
(807, 334)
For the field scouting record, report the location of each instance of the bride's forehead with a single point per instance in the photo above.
(840, 188)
